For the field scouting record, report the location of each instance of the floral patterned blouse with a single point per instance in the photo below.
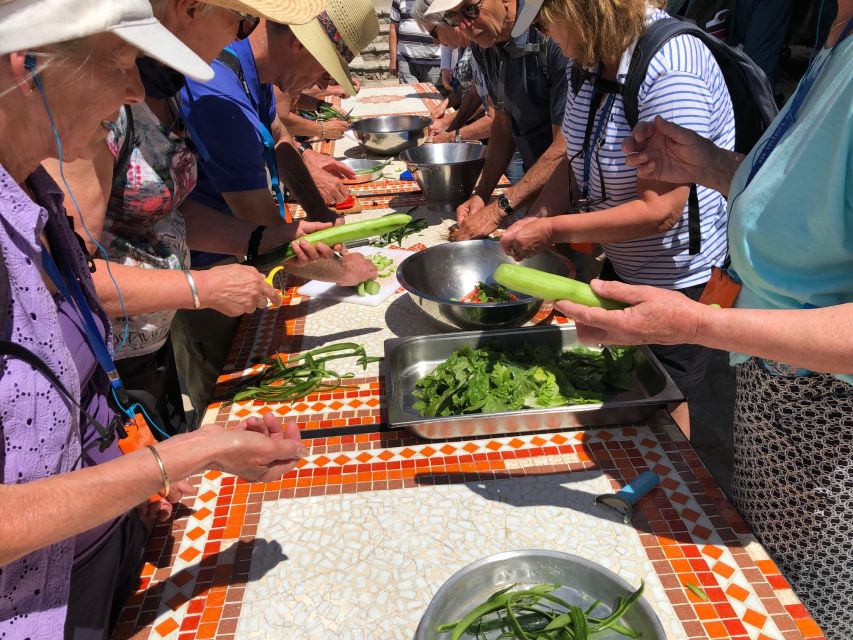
(142, 226)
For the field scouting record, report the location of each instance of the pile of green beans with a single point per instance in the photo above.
(323, 113)
(537, 614)
(289, 380)
(396, 236)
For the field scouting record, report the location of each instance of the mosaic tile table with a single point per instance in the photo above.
(354, 542)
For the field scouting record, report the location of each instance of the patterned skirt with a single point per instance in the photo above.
(793, 483)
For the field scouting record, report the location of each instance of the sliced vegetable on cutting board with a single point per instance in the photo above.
(386, 261)
(547, 286)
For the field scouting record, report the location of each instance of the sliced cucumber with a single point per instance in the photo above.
(371, 287)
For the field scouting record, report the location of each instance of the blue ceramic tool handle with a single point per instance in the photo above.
(638, 487)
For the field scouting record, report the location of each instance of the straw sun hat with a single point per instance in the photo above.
(339, 34)
(283, 11)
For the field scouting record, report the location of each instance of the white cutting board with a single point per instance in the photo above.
(387, 286)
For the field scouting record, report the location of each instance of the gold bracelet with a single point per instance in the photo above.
(166, 484)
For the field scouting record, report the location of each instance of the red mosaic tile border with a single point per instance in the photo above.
(678, 549)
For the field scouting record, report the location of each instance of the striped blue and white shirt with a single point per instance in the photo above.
(414, 44)
(684, 84)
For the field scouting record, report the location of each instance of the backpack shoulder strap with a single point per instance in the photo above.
(658, 34)
(542, 57)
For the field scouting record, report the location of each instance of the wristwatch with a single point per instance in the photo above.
(305, 146)
(504, 205)
(458, 136)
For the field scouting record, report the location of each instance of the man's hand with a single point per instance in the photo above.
(357, 269)
(327, 174)
(471, 205)
(527, 237)
(481, 223)
(439, 126)
(392, 67)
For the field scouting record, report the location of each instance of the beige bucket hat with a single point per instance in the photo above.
(339, 34)
(283, 11)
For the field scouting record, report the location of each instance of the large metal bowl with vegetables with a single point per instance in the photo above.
(536, 594)
(453, 284)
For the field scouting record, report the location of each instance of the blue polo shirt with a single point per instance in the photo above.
(526, 77)
(228, 123)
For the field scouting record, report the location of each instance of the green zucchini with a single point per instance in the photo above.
(547, 286)
(371, 287)
(354, 231)
(360, 289)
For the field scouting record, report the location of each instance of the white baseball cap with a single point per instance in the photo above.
(440, 6)
(27, 24)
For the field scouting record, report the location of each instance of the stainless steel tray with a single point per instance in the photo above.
(407, 360)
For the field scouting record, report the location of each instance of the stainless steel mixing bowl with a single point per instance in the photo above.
(389, 135)
(446, 172)
(584, 582)
(375, 167)
(435, 275)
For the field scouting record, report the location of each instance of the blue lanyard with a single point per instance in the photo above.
(71, 291)
(791, 115)
(270, 157)
(587, 157)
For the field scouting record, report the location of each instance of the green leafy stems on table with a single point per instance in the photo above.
(537, 614)
(289, 380)
(396, 237)
(323, 114)
(488, 380)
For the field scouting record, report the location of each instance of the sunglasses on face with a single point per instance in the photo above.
(470, 11)
(246, 25)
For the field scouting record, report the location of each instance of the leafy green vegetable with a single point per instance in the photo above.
(396, 236)
(485, 292)
(488, 380)
(536, 614)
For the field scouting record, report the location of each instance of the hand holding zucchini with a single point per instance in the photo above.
(547, 286)
(341, 235)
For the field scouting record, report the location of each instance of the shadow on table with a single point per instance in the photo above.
(654, 514)
(425, 95)
(243, 562)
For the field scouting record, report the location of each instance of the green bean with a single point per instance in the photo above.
(699, 592)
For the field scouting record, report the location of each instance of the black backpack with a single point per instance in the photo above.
(752, 98)
(713, 16)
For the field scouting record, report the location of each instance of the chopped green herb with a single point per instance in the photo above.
(487, 380)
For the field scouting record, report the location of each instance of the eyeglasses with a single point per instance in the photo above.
(469, 11)
(246, 25)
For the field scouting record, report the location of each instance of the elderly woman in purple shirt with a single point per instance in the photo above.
(70, 539)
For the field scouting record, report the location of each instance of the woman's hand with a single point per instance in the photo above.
(357, 269)
(528, 237)
(656, 316)
(664, 151)
(259, 449)
(233, 289)
(160, 510)
(335, 128)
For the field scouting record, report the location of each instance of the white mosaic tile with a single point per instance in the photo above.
(398, 547)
